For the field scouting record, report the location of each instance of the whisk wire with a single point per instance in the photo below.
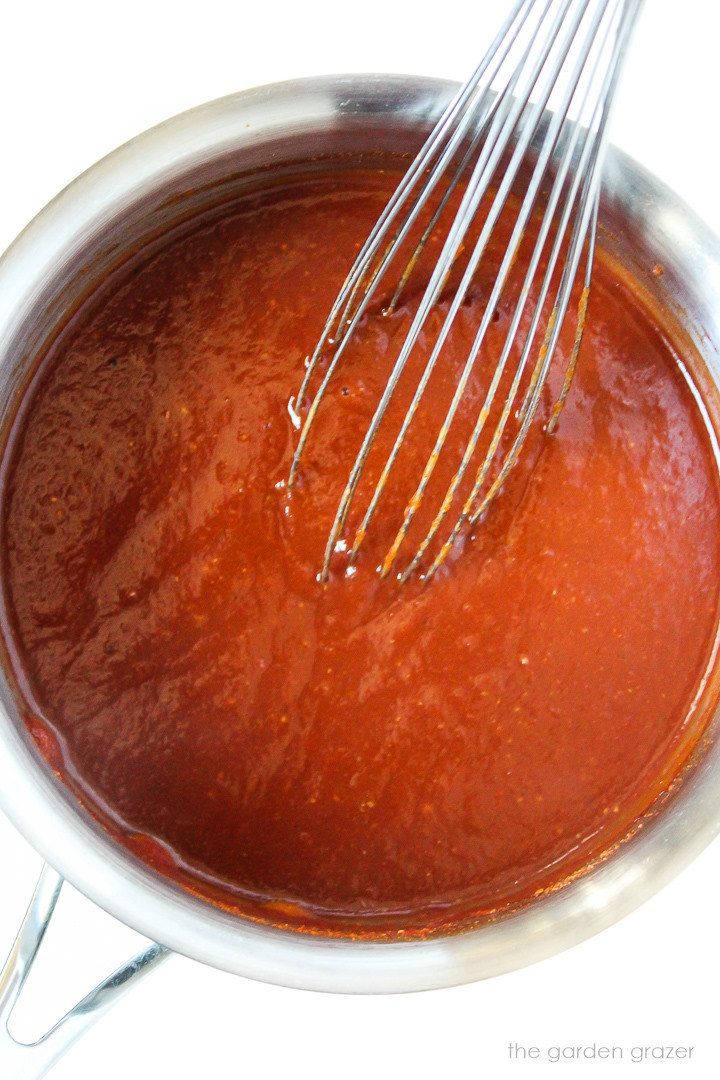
(493, 150)
(496, 117)
(511, 252)
(461, 106)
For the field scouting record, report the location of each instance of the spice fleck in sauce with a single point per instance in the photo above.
(357, 758)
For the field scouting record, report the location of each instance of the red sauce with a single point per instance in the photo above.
(362, 757)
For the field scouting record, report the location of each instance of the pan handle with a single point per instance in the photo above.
(31, 1061)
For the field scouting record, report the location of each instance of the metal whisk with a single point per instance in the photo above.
(550, 75)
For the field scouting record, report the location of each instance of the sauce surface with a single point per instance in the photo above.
(356, 758)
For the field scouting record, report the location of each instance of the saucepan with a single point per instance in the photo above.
(138, 193)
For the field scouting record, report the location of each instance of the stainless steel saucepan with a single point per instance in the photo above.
(137, 193)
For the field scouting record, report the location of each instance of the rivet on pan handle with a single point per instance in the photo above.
(30, 1061)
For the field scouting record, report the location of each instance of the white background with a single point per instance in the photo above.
(78, 78)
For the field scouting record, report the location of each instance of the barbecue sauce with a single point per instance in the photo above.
(356, 757)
